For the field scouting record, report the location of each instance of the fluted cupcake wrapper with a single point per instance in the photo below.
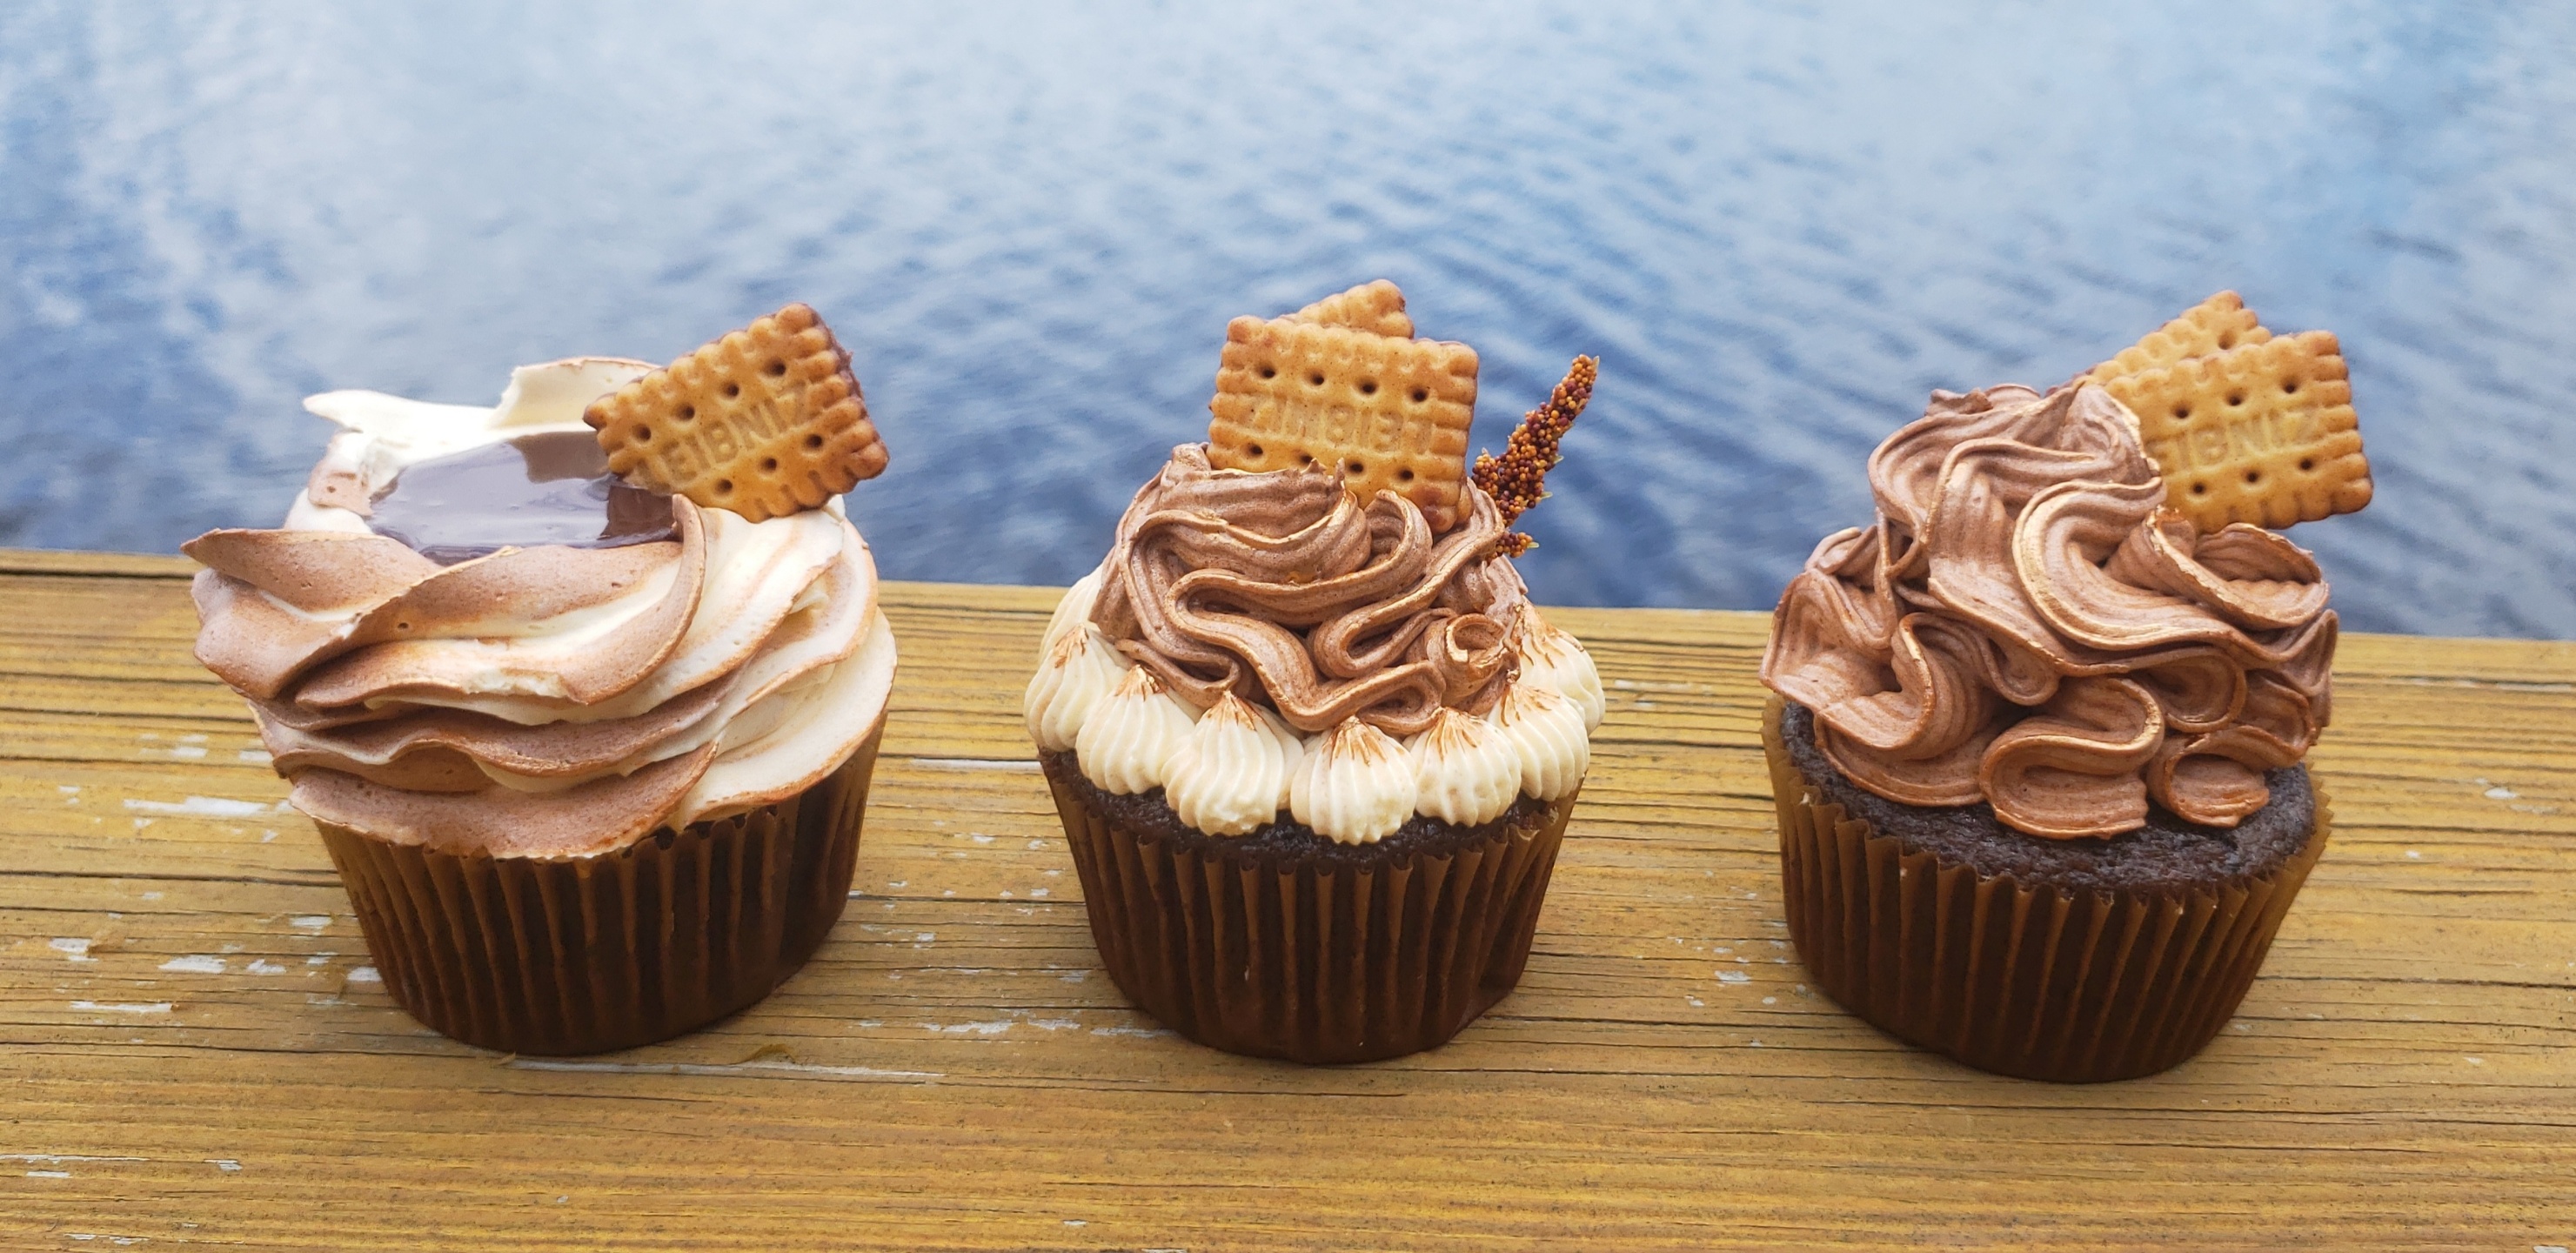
(1312, 960)
(590, 954)
(2075, 987)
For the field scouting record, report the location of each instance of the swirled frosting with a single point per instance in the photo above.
(1387, 653)
(540, 699)
(2028, 625)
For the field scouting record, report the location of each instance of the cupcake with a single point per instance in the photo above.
(2037, 735)
(1313, 748)
(588, 739)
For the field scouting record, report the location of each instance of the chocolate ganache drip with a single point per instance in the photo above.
(551, 488)
(2028, 625)
(1287, 590)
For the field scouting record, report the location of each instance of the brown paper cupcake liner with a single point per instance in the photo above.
(1312, 960)
(2072, 987)
(590, 954)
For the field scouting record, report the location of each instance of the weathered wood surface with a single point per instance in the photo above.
(198, 1053)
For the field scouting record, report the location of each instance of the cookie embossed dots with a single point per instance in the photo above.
(764, 421)
(1389, 414)
(2210, 327)
(2263, 432)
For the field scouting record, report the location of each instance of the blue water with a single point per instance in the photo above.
(1779, 226)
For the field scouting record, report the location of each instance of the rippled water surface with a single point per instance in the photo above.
(1779, 227)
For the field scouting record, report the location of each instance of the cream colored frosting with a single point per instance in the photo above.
(544, 700)
(1284, 594)
(1230, 775)
(1130, 733)
(1465, 770)
(1546, 731)
(1078, 670)
(1356, 785)
(1553, 657)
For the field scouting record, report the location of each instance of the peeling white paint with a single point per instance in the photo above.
(254, 756)
(1733, 976)
(225, 1164)
(365, 974)
(49, 1174)
(263, 966)
(976, 763)
(2501, 794)
(966, 1028)
(310, 922)
(1141, 1033)
(188, 752)
(71, 946)
(203, 807)
(194, 964)
(154, 1007)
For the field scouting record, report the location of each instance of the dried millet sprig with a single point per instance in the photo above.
(1518, 479)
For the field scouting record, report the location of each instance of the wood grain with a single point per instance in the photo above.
(198, 1053)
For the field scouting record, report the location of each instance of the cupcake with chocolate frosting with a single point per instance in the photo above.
(2039, 732)
(590, 756)
(1313, 748)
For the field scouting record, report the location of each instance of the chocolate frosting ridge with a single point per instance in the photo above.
(2029, 625)
(1285, 589)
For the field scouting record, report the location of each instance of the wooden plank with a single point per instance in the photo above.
(200, 1053)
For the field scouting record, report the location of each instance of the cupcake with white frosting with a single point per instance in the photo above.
(1314, 757)
(591, 757)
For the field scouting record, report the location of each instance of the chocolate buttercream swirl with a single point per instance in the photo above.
(1288, 591)
(2027, 624)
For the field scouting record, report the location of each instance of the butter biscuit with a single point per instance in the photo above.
(1388, 414)
(2263, 432)
(764, 421)
(2213, 326)
(1376, 307)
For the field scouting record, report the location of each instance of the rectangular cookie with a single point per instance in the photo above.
(1388, 414)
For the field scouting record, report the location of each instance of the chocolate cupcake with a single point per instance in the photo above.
(2038, 736)
(591, 758)
(1313, 748)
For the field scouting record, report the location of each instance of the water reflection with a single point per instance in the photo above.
(1778, 228)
